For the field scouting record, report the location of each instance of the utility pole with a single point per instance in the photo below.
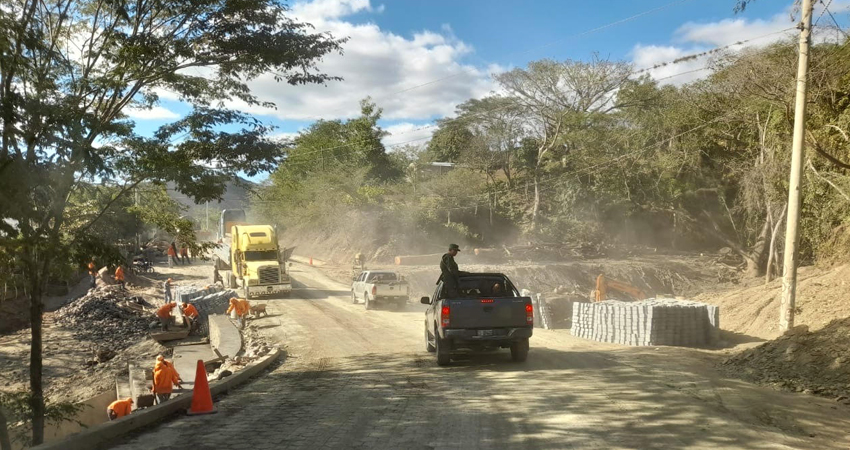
(207, 225)
(792, 237)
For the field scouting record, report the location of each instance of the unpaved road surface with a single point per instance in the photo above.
(362, 379)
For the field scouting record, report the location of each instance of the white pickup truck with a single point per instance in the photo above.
(377, 287)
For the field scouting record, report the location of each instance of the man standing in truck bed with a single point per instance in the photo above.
(450, 274)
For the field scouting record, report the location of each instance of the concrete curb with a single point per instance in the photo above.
(100, 435)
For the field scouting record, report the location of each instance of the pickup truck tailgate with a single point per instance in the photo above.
(472, 313)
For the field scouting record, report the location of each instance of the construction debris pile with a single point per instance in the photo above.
(106, 315)
(812, 362)
(648, 322)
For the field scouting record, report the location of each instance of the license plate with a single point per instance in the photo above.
(485, 332)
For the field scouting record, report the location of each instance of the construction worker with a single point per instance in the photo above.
(92, 274)
(119, 408)
(192, 316)
(449, 272)
(166, 287)
(164, 314)
(119, 277)
(239, 309)
(165, 377)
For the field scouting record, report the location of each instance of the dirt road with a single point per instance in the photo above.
(362, 379)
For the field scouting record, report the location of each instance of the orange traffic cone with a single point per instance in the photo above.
(202, 402)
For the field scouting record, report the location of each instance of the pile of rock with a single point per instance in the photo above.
(812, 362)
(99, 316)
(648, 322)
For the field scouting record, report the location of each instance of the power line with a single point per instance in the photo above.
(549, 44)
(669, 63)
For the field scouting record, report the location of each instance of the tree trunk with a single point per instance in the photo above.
(536, 205)
(758, 254)
(771, 254)
(5, 443)
(36, 382)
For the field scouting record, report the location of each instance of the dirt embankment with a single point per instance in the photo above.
(753, 309)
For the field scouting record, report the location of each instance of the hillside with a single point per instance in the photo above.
(753, 309)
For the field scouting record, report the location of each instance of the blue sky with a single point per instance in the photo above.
(397, 45)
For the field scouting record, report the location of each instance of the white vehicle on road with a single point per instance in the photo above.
(378, 287)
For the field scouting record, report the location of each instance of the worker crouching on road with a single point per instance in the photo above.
(119, 408)
(165, 377)
(164, 314)
(192, 316)
(239, 309)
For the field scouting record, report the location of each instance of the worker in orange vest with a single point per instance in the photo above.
(192, 316)
(164, 314)
(240, 309)
(165, 377)
(92, 274)
(119, 276)
(119, 408)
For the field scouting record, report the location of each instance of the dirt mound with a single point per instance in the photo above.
(753, 309)
(813, 362)
(98, 317)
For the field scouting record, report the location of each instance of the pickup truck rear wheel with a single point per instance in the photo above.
(519, 350)
(441, 348)
(429, 347)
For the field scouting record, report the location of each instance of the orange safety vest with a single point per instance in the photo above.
(164, 377)
(164, 311)
(119, 273)
(190, 311)
(121, 407)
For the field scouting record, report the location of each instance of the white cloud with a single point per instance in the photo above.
(417, 77)
(694, 38)
(155, 113)
(408, 133)
(283, 136)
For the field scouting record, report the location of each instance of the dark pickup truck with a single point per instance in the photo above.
(486, 313)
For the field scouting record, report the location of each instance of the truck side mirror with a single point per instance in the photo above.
(425, 300)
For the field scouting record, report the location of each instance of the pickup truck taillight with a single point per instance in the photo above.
(374, 290)
(444, 316)
(529, 314)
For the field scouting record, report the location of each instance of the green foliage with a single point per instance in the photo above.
(64, 123)
(17, 409)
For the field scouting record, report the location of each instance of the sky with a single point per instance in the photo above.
(419, 59)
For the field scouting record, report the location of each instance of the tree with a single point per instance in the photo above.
(68, 71)
(336, 145)
(449, 141)
(560, 99)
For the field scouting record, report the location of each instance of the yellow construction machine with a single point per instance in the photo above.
(604, 284)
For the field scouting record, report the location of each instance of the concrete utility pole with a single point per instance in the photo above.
(792, 237)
